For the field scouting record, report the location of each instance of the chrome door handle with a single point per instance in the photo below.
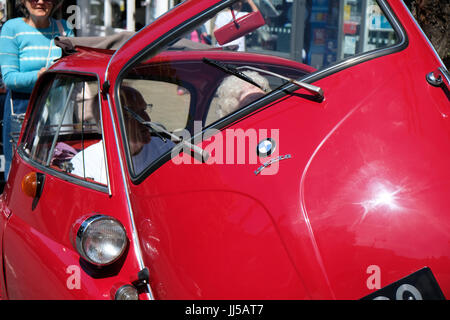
(438, 77)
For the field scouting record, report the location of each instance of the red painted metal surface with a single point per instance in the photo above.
(366, 183)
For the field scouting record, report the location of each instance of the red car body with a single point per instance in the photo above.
(361, 188)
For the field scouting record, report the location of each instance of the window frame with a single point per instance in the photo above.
(47, 82)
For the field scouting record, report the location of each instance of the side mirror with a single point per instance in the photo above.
(239, 27)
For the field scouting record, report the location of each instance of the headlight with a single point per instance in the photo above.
(101, 240)
(126, 292)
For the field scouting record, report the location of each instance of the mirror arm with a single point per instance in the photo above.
(234, 18)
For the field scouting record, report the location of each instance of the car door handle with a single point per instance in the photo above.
(440, 78)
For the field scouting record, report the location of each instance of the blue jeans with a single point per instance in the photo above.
(11, 123)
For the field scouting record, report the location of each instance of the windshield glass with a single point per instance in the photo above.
(229, 62)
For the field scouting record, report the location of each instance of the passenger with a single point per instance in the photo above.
(235, 93)
(27, 49)
(144, 148)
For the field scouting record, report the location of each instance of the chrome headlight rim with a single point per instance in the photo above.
(79, 239)
(127, 292)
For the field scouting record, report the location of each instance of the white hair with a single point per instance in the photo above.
(233, 90)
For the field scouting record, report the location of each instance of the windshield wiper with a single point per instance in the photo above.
(151, 125)
(236, 71)
(231, 70)
(315, 90)
(157, 129)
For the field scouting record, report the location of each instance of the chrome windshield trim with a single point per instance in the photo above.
(136, 244)
(104, 144)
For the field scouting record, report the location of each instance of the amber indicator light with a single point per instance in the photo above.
(30, 184)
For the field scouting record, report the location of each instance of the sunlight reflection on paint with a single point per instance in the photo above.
(382, 196)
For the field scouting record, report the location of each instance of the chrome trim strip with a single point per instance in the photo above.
(445, 72)
(104, 144)
(137, 247)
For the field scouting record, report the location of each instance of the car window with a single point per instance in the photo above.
(236, 57)
(64, 125)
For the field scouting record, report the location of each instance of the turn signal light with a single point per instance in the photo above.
(30, 184)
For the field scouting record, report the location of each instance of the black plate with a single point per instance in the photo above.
(420, 285)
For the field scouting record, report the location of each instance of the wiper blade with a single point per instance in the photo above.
(157, 129)
(236, 71)
(317, 91)
(152, 126)
(231, 70)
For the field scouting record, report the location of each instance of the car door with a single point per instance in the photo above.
(329, 187)
(45, 198)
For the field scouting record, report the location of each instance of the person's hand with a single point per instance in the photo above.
(40, 72)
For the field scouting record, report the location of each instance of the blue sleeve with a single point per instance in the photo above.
(9, 59)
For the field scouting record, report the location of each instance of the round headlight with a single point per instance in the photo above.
(101, 240)
(127, 292)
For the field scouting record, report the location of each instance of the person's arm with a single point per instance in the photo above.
(9, 57)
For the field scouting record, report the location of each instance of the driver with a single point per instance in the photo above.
(144, 148)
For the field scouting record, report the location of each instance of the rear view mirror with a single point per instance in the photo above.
(239, 27)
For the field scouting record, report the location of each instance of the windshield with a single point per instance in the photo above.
(230, 62)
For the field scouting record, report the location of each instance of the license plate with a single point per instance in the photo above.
(420, 285)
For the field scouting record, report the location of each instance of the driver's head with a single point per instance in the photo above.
(138, 135)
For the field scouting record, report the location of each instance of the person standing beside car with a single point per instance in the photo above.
(27, 49)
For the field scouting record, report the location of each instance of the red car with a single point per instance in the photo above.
(312, 163)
